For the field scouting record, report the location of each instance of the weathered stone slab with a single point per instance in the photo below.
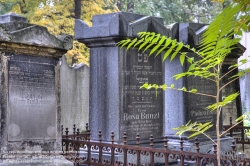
(29, 87)
(31, 98)
(74, 95)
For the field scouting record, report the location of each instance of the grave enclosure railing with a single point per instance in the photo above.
(80, 149)
(238, 132)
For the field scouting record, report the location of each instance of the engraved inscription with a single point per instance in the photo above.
(142, 109)
(197, 104)
(31, 100)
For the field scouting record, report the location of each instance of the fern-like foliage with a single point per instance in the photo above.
(196, 128)
(219, 39)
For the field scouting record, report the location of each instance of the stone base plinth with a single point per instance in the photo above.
(205, 145)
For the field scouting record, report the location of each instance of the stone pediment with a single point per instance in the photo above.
(16, 29)
(118, 24)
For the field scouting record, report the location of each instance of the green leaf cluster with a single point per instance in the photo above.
(195, 128)
(225, 101)
(157, 44)
(165, 86)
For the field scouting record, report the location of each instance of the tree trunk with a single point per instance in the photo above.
(22, 6)
(119, 4)
(78, 6)
(130, 6)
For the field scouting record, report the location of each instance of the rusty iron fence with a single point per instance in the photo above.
(238, 132)
(80, 149)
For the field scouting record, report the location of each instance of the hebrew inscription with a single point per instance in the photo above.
(32, 100)
(142, 109)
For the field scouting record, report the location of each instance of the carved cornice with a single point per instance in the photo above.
(19, 48)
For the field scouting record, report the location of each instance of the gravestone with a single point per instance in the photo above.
(74, 83)
(245, 96)
(30, 105)
(181, 107)
(233, 109)
(245, 80)
(116, 101)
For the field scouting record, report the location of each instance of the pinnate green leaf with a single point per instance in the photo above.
(164, 86)
(225, 101)
(172, 86)
(132, 43)
(182, 58)
(193, 90)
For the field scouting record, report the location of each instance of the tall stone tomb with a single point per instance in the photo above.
(116, 101)
(181, 107)
(29, 88)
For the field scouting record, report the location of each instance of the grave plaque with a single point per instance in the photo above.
(31, 96)
(142, 109)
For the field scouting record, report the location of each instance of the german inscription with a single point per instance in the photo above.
(32, 100)
(142, 109)
(196, 107)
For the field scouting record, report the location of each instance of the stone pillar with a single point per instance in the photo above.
(30, 87)
(116, 101)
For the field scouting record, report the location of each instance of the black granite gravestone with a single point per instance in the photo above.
(116, 101)
(29, 84)
(181, 107)
(142, 110)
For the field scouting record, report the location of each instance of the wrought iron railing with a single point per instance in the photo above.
(80, 149)
(238, 132)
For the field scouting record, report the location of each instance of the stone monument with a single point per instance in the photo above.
(74, 83)
(181, 107)
(29, 85)
(116, 101)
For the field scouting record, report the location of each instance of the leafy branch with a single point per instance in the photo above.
(197, 128)
(164, 87)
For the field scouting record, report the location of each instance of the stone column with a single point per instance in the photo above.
(30, 89)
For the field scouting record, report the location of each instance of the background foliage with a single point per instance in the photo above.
(202, 11)
(58, 16)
